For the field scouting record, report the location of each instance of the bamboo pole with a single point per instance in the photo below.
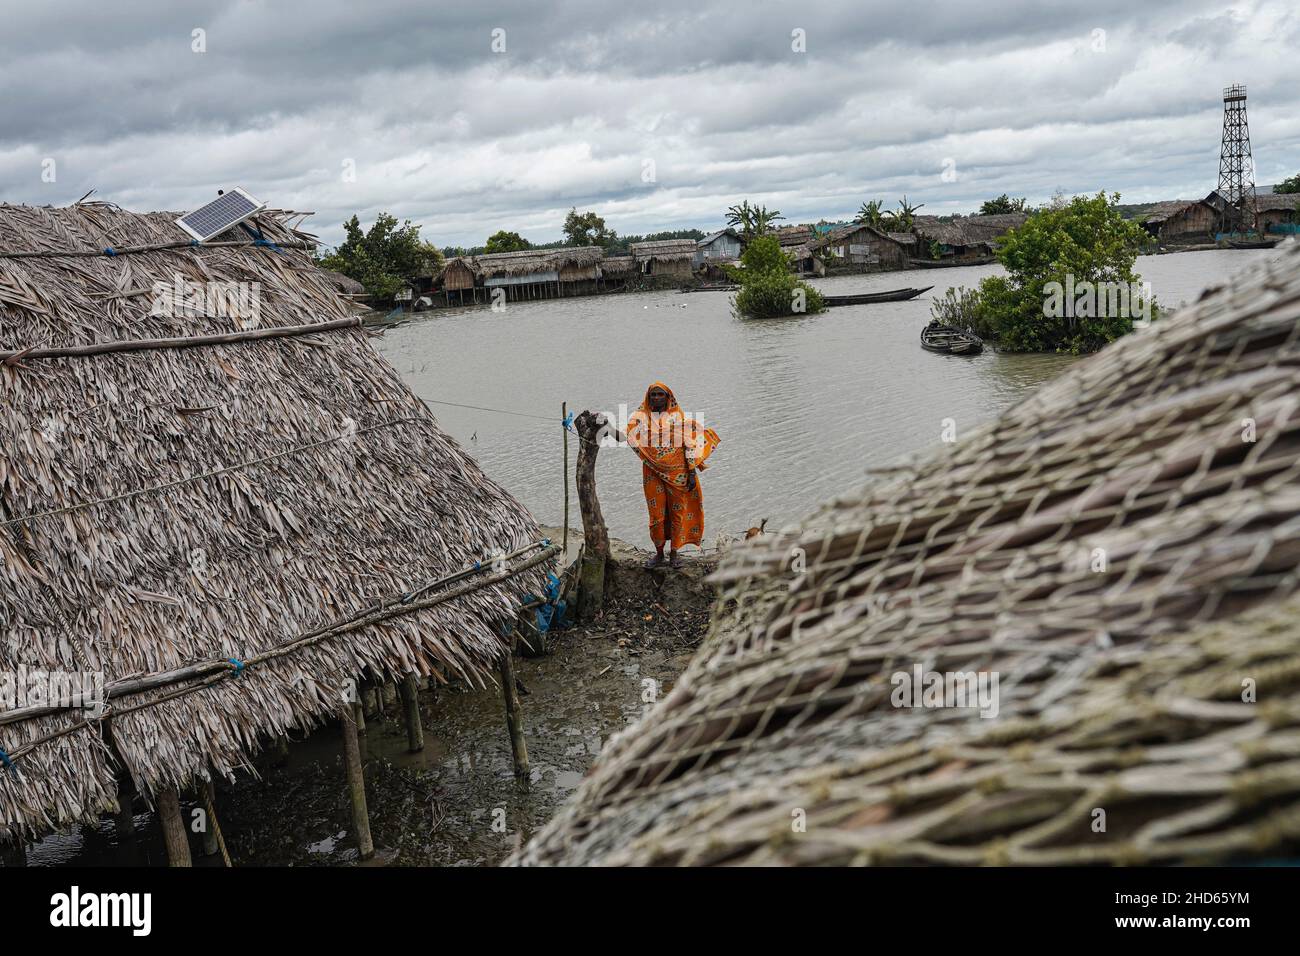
(223, 668)
(514, 717)
(359, 721)
(564, 547)
(356, 780)
(143, 345)
(175, 836)
(411, 710)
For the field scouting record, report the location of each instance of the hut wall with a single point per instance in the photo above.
(457, 276)
(1195, 220)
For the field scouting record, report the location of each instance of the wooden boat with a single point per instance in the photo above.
(865, 298)
(1253, 243)
(949, 263)
(946, 340)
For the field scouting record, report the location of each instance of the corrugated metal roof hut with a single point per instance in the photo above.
(665, 257)
(192, 501)
(1121, 551)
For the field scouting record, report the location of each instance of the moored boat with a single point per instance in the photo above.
(865, 298)
(946, 340)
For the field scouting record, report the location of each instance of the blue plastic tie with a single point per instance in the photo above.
(568, 421)
(478, 566)
(110, 251)
(239, 665)
(7, 762)
(546, 542)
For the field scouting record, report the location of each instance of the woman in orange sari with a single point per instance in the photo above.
(673, 448)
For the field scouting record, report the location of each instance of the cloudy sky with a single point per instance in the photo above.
(476, 116)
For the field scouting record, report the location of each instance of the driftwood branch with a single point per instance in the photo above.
(590, 428)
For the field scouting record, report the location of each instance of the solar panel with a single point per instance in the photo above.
(224, 212)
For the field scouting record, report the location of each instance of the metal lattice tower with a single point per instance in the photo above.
(1236, 170)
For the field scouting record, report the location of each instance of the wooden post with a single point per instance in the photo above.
(564, 547)
(124, 818)
(595, 534)
(411, 709)
(356, 780)
(359, 718)
(13, 852)
(208, 797)
(514, 716)
(280, 750)
(175, 836)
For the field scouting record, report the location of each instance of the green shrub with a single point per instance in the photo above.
(767, 287)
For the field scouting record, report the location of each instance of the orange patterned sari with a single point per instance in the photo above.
(669, 445)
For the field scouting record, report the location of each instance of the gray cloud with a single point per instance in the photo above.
(1020, 98)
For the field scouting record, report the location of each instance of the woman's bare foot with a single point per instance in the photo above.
(654, 561)
(675, 561)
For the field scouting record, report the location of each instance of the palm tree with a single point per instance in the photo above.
(905, 215)
(870, 214)
(752, 220)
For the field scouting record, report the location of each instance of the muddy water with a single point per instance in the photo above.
(804, 405)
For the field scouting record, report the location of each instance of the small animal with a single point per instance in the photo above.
(755, 532)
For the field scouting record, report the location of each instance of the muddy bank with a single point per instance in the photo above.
(455, 803)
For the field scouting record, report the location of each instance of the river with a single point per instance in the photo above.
(803, 405)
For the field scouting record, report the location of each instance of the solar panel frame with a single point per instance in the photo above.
(225, 212)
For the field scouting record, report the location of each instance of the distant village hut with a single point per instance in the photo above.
(725, 245)
(232, 519)
(539, 273)
(796, 242)
(965, 239)
(1278, 213)
(458, 280)
(860, 248)
(673, 258)
(617, 271)
(1183, 221)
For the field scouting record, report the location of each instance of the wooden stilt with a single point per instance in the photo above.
(280, 750)
(175, 835)
(124, 818)
(356, 780)
(514, 718)
(13, 851)
(207, 794)
(411, 710)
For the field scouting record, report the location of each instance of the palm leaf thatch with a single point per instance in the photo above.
(1121, 550)
(359, 496)
(531, 261)
(665, 250)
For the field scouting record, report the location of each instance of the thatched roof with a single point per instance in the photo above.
(529, 261)
(967, 230)
(665, 250)
(618, 265)
(1162, 211)
(840, 233)
(179, 544)
(344, 285)
(1269, 201)
(793, 235)
(1122, 550)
